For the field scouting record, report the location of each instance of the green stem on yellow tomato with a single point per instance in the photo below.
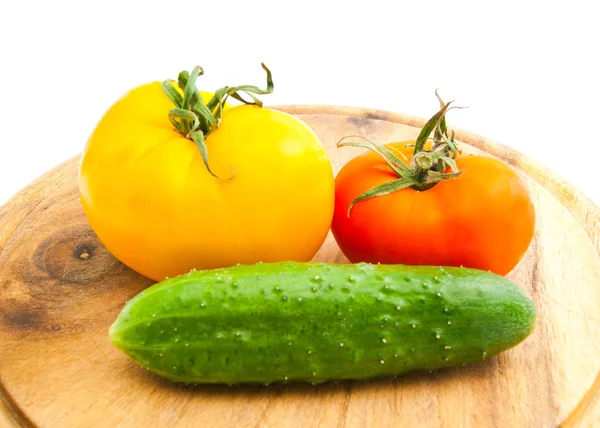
(194, 119)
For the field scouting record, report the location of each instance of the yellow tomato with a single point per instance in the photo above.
(150, 199)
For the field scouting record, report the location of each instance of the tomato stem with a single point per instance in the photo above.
(428, 166)
(194, 119)
(423, 160)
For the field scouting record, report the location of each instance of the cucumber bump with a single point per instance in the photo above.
(316, 322)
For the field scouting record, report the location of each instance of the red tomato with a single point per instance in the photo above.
(482, 219)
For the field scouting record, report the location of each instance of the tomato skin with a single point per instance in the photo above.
(150, 199)
(483, 219)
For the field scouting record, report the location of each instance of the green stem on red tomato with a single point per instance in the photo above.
(428, 166)
(194, 119)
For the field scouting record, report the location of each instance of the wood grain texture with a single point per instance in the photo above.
(60, 290)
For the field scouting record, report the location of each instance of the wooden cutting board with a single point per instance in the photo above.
(60, 290)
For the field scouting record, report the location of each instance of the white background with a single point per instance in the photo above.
(528, 70)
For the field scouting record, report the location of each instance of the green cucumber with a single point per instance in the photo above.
(316, 322)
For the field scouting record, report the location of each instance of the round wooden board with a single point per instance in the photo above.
(58, 369)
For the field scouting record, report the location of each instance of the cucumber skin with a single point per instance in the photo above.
(317, 322)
